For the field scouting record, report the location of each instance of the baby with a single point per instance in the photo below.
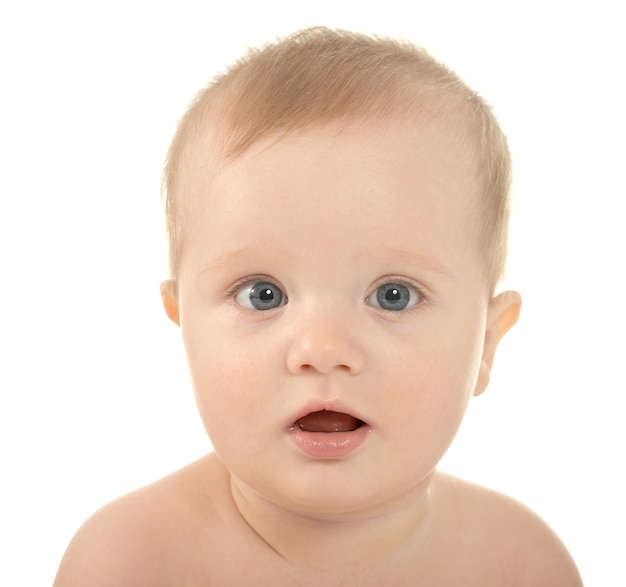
(337, 208)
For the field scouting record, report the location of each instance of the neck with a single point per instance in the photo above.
(376, 537)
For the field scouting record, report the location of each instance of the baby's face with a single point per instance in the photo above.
(333, 308)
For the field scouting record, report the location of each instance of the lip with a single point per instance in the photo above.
(327, 445)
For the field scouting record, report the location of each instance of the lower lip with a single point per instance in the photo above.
(329, 445)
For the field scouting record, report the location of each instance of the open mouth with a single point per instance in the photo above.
(328, 421)
(329, 435)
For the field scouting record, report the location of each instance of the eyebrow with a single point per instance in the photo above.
(423, 261)
(226, 259)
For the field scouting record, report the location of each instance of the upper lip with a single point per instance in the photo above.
(334, 405)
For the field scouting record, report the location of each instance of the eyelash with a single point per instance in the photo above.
(423, 298)
(250, 281)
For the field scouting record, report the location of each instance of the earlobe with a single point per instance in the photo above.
(169, 296)
(503, 313)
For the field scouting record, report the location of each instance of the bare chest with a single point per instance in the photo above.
(243, 563)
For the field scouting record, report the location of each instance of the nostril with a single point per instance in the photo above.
(307, 367)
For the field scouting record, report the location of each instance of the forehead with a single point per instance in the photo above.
(410, 183)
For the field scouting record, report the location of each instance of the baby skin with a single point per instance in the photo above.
(337, 318)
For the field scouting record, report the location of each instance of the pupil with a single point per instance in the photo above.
(265, 296)
(392, 296)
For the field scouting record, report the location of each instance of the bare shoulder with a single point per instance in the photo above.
(138, 539)
(508, 539)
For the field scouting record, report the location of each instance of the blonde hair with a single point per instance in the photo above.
(319, 75)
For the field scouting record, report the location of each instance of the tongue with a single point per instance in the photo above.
(327, 421)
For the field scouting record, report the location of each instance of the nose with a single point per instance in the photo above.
(324, 346)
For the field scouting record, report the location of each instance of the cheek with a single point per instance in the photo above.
(229, 380)
(432, 390)
(435, 393)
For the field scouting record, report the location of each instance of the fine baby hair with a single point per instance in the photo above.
(319, 75)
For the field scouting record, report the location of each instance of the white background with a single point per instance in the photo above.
(95, 398)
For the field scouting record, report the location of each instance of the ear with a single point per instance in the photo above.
(169, 296)
(502, 314)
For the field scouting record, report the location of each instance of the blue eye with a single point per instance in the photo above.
(262, 295)
(393, 297)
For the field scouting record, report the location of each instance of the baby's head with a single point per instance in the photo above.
(319, 76)
(337, 208)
